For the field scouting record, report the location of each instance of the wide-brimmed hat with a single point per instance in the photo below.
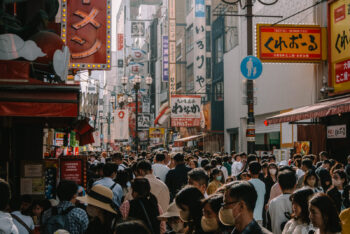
(100, 196)
(172, 211)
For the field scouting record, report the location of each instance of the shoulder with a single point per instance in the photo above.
(78, 212)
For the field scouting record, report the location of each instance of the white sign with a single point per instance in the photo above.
(172, 46)
(137, 29)
(143, 121)
(121, 125)
(336, 131)
(185, 111)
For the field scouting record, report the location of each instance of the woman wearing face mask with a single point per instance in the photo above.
(300, 222)
(339, 181)
(188, 200)
(210, 220)
(311, 181)
(324, 215)
(217, 181)
(269, 181)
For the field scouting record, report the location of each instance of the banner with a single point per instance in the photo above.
(289, 43)
(156, 135)
(172, 46)
(86, 30)
(165, 59)
(137, 29)
(120, 41)
(199, 69)
(143, 121)
(185, 111)
(138, 54)
(121, 125)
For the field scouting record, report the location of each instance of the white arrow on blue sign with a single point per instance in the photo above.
(251, 67)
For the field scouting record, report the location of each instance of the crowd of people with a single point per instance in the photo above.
(197, 192)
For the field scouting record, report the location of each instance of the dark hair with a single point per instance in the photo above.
(342, 175)
(214, 201)
(15, 203)
(213, 163)
(117, 156)
(179, 157)
(325, 177)
(141, 186)
(251, 158)
(301, 197)
(123, 177)
(160, 157)
(324, 154)
(286, 179)
(307, 163)
(226, 158)
(218, 160)
(272, 157)
(191, 197)
(244, 191)
(109, 169)
(66, 190)
(199, 175)
(308, 174)
(144, 165)
(204, 162)
(328, 210)
(131, 226)
(254, 168)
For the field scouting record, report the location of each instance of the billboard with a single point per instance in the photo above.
(338, 45)
(185, 110)
(86, 30)
(156, 135)
(289, 43)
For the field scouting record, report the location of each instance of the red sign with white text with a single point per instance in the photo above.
(339, 14)
(342, 72)
(120, 41)
(72, 170)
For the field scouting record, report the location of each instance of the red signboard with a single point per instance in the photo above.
(72, 170)
(339, 14)
(342, 72)
(120, 41)
(86, 30)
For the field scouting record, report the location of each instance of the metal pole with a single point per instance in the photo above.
(137, 124)
(250, 133)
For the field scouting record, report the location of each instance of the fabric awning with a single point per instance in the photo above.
(191, 138)
(322, 109)
(39, 100)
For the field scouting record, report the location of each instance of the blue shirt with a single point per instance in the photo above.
(78, 220)
(117, 190)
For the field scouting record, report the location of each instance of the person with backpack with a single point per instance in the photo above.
(65, 215)
(23, 221)
(7, 225)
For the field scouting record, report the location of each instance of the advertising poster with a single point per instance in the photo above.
(73, 169)
(185, 110)
(156, 135)
(302, 147)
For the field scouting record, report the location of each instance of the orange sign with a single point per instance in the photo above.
(86, 30)
(289, 43)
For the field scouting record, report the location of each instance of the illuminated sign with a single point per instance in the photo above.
(86, 30)
(289, 43)
(339, 45)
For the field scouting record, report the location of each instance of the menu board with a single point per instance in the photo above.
(73, 169)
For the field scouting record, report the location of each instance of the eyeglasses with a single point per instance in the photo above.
(225, 204)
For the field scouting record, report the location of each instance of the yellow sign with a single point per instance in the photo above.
(156, 132)
(289, 43)
(339, 45)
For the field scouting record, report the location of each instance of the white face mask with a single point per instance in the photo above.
(185, 215)
(273, 171)
(226, 217)
(177, 227)
(209, 224)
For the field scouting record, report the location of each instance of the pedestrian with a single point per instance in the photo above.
(238, 207)
(172, 217)
(311, 181)
(117, 159)
(227, 164)
(188, 200)
(324, 215)
(237, 165)
(159, 168)
(109, 174)
(144, 206)
(101, 209)
(339, 181)
(75, 219)
(300, 222)
(280, 208)
(132, 226)
(217, 181)
(345, 220)
(7, 225)
(199, 179)
(306, 165)
(177, 177)
(325, 178)
(254, 169)
(21, 219)
(193, 164)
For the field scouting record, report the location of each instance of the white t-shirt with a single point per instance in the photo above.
(160, 171)
(259, 204)
(236, 168)
(277, 209)
(26, 219)
(294, 227)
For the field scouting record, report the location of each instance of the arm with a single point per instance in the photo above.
(124, 209)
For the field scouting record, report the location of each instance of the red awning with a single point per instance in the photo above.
(39, 100)
(317, 110)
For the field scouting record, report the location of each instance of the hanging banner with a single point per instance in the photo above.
(86, 30)
(165, 59)
(121, 125)
(185, 110)
(289, 43)
(136, 68)
(339, 45)
(172, 46)
(138, 54)
(120, 41)
(199, 69)
(143, 121)
(137, 29)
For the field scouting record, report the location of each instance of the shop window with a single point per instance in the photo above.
(208, 41)
(178, 51)
(219, 91)
(266, 141)
(219, 49)
(208, 16)
(189, 38)
(189, 78)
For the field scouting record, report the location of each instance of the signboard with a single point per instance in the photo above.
(289, 43)
(138, 54)
(121, 125)
(137, 29)
(165, 77)
(199, 69)
(185, 110)
(120, 41)
(302, 147)
(73, 169)
(339, 45)
(120, 63)
(336, 131)
(146, 105)
(172, 46)
(86, 30)
(251, 67)
(143, 121)
(156, 135)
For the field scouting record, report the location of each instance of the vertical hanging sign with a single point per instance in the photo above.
(172, 47)
(199, 48)
(165, 59)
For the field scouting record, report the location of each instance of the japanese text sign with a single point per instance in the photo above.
(172, 46)
(336, 131)
(86, 30)
(339, 45)
(289, 43)
(72, 170)
(185, 110)
(165, 59)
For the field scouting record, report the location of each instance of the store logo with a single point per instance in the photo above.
(339, 14)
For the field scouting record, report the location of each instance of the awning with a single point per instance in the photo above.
(39, 100)
(317, 110)
(191, 138)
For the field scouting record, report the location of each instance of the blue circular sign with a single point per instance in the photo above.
(251, 67)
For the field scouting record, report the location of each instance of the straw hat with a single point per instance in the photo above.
(100, 196)
(172, 211)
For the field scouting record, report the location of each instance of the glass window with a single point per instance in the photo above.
(208, 16)
(178, 51)
(189, 78)
(208, 41)
(219, 49)
(219, 91)
(189, 38)
(266, 141)
(208, 68)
